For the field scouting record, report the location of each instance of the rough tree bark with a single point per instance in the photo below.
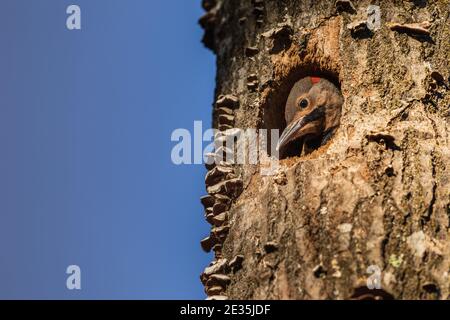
(377, 194)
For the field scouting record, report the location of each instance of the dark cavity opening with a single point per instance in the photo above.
(364, 293)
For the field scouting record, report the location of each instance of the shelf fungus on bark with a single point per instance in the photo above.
(242, 20)
(224, 127)
(207, 244)
(221, 156)
(227, 135)
(222, 138)
(208, 22)
(213, 159)
(252, 82)
(226, 119)
(219, 237)
(207, 201)
(210, 160)
(218, 266)
(209, 218)
(214, 277)
(217, 298)
(222, 186)
(220, 219)
(217, 188)
(220, 232)
(236, 263)
(258, 11)
(251, 51)
(214, 291)
(208, 4)
(219, 208)
(208, 210)
(221, 198)
(227, 100)
(232, 187)
(224, 111)
(421, 28)
(218, 279)
(217, 174)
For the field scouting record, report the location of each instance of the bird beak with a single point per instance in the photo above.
(293, 128)
(290, 131)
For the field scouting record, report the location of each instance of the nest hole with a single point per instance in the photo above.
(274, 107)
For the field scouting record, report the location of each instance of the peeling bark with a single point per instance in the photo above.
(379, 192)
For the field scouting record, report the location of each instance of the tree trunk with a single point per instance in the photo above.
(375, 199)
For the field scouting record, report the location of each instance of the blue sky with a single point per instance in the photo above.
(86, 175)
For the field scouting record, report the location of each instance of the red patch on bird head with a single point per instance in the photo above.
(314, 80)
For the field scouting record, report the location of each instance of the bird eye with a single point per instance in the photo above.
(303, 103)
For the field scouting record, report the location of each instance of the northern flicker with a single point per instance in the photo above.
(312, 113)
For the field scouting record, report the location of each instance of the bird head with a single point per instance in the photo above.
(312, 109)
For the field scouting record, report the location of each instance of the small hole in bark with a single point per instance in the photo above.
(420, 3)
(319, 272)
(384, 139)
(389, 171)
(274, 110)
(364, 293)
(432, 291)
(270, 247)
(430, 288)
